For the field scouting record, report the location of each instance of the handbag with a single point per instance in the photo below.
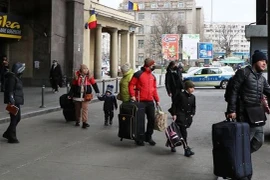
(174, 136)
(12, 109)
(160, 119)
(88, 97)
(256, 115)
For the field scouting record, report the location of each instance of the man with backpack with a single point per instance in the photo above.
(245, 98)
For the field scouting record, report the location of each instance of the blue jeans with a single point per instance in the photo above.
(256, 138)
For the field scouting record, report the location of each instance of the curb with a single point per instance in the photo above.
(43, 111)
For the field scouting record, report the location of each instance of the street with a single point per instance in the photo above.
(50, 148)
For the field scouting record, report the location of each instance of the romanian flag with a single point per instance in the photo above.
(133, 6)
(92, 21)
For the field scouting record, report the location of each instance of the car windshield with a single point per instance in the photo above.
(228, 69)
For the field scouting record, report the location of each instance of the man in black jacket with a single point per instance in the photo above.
(245, 101)
(55, 76)
(14, 95)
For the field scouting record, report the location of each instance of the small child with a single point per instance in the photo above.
(183, 110)
(109, 104)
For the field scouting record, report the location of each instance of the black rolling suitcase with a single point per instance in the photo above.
(68, 107)
(231, 150)
(131, 121)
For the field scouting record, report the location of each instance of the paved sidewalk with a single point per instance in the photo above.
(33, 96)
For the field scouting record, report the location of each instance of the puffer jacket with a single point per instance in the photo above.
(13, 87)
(173, 81)
(143, 86)
(248, 87)
(124, 93)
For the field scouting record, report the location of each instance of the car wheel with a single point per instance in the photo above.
(224, 84)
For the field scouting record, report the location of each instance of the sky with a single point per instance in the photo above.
(223, 10)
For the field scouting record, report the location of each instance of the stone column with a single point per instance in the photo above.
(75, 33)
(125, 47)
(133, 50)
(98, 58)
(114, 53)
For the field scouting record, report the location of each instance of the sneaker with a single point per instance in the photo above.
(77, 124)
(173, 149)
(151, 142)
(188, 152)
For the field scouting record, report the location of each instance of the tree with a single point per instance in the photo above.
(227, 33)
(164, 23)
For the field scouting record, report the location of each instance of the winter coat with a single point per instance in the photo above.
(124, 93)
(173, 81)
(56, 73)
(75, 91)
(184, 107)
(109, 102)
(13, 87)
(143, 85)
(248, 87)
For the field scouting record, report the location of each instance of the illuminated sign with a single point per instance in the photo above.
(10, 26)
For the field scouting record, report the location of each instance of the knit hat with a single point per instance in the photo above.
(125, 67)
(189, 84)
(258, 56)
(109, 88)
(148, 62)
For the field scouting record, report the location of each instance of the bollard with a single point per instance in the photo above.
(160, 78)
(42, 97)
(68, 87)
(103, 86)
(116, 85)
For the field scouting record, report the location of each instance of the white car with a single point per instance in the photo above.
(210, 76)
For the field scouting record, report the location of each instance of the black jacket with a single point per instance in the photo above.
(109, 102)
(56, 73)
(184, 107)
(173, 81)
(13, 88)
(248, 87)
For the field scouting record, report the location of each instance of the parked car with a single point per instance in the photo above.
(210, 76)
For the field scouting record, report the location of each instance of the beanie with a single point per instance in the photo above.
(258, 56)
(125, 67)
(148, 62)
(83, 66)
(189, 84)
(109, 88)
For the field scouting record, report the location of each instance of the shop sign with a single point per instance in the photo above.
(10, 26)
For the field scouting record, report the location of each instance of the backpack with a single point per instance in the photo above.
(228, 89)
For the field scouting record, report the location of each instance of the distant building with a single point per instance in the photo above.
(187, 14)
(235, 30)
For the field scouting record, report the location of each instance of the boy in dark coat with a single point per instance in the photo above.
(183, 110)
(109, 104)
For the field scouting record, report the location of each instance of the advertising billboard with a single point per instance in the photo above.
(205, 50)
(190, 45)
(170, 46)
(10, 26)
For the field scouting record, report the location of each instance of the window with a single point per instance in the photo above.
(140, 43)
(141, 30)
(154, 5)
(153, 16)
(141, 5)
(167, 5)
(180, 5)
(141, 58)
(141, 16)
(153, 29)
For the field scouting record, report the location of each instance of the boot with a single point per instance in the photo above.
(77, 123)
(139, 143)
(188, 152)
(173, 149)
(13, 141)
(85, 125)
(106, 123)
(110, 122)
(5, 135)
(150, 140)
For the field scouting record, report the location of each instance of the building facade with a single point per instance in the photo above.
(183, 16)
(234, 32)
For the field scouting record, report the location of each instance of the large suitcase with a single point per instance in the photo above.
(131, 121)
(231, 150)
(68, 107)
